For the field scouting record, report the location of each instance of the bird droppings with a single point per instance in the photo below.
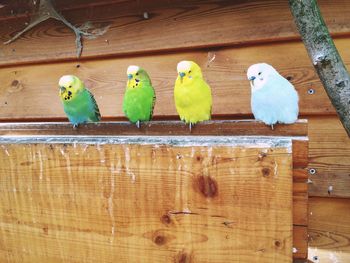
(207, 186)
(211, 58)
(262, 155)
(275, 169)
(41, 166)
(330, 189)
(110, 203)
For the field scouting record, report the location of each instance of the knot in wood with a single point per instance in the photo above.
(166, 219)
(207, 186)
(266, 172)
(159, 240)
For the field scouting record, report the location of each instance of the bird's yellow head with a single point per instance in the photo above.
(69, 86)
(187, 71)
(137, 77)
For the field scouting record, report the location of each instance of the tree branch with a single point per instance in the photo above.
(324, 56)
(46, 10)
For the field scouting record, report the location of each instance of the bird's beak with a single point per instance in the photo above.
(62, 89)
(181, 75)
(252, 78)
(129, 76)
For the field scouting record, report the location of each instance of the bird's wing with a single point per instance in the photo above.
(95, 106)
(153, 103)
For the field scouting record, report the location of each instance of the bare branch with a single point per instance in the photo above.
(45, 11)
(324, 56)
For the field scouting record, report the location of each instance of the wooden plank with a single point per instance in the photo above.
(224, 69)
(175, 128)
(144, 203)
(300, 174)
(300, 241)
(329, 230)
(300, 208)
(300, 153)
(172, 25)
(330, 157)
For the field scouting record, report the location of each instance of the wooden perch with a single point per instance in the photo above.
(324, 56)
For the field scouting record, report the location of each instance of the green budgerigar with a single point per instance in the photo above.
(139, 97)
(78, 102)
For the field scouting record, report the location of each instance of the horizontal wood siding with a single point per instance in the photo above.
(224, 69)
(224, 37)
(172, 25)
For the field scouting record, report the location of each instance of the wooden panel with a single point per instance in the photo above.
(300, 153)
(144, 203)
(300, 239)
(26, 90)
(330, 156)
(329, 230)
(171, 25)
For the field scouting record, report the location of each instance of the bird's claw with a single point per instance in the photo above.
(190, 125)
(271, 126)
(138, 124)
(75, 126)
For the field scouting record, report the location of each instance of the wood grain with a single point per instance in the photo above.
(300, 242)
(172, 25)
(329, 156)
(163, 128)
(329, 230)
(144, 203)
(30, 92)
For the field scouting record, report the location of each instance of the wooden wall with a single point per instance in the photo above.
(224, 37)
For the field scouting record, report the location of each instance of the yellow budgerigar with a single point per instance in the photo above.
(192, 94)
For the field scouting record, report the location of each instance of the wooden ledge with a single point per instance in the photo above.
(218, 128)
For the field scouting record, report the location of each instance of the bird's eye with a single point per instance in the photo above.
(189, 71)
(137, 74)
(259, 73)
(70, 86)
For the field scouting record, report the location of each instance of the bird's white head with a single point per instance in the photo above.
(66, 80)
(132, 70)
(259, 74)
(183, 66)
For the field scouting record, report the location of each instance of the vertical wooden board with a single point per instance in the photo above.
(300, 241)
(329, 230)
(145, 203)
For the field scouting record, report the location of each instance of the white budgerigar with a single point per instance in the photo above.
(273, 99)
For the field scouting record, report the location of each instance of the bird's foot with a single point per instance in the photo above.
(191, 125)
(138, 124)
(75, 126)
(271, 126)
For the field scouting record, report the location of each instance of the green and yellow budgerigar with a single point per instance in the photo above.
(78, 102)
(192, 94)
(139, 97)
